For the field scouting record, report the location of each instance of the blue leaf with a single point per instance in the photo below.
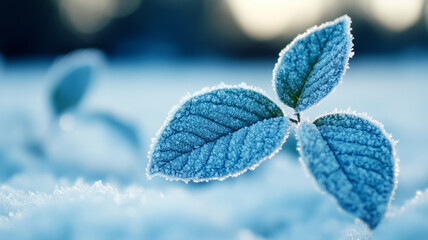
(71, 77)
(311, 66)
(218, 133)
(353, 159)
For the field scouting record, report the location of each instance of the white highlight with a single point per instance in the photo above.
(396, 15)
(265, 20)
(66, 122)
(88, 17)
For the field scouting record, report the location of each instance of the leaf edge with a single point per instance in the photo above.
(394, 158)
(350, 54)
(183, 100)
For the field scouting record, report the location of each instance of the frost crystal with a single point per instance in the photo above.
(217, 134)
(311, 66)
(353, 159)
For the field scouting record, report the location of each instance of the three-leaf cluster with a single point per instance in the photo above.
(226, 130)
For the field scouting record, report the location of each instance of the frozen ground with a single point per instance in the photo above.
(49, 174)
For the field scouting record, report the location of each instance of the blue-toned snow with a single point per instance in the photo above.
(407, 222)
(351, 158)
(311, 66)
(277, 201)
(218, 133)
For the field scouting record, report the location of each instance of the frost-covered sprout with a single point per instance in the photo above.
(70, 78)
(226, 130)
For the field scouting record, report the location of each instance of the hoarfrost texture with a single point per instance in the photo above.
(311, 66)
(217, 134)
(353, 159)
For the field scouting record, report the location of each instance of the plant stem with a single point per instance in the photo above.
(296, 121)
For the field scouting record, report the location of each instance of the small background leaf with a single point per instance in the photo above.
(311, 66)
(71, 77)
(218, 133)
(353, 159)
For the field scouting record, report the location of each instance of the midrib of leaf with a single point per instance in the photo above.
(336, 158)
(343, 170)
(305, 80)
(261, 118)
(214, 140)
(224, 135)
(292, 96)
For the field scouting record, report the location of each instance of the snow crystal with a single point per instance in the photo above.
(97, 211)
(256, 204)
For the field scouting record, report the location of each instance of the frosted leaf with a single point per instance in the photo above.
(311, 66)
(218, 133)
(71, 77)
(353, 159)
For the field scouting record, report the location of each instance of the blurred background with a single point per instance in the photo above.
(187, 28)
(123, 64)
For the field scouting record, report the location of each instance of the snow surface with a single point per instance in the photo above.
(41, 196)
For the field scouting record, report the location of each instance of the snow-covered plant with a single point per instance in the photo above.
(225, 130)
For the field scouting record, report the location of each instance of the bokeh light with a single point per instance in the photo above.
(426, 15)
(264, 20)
(396, 15)
(89, 17)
